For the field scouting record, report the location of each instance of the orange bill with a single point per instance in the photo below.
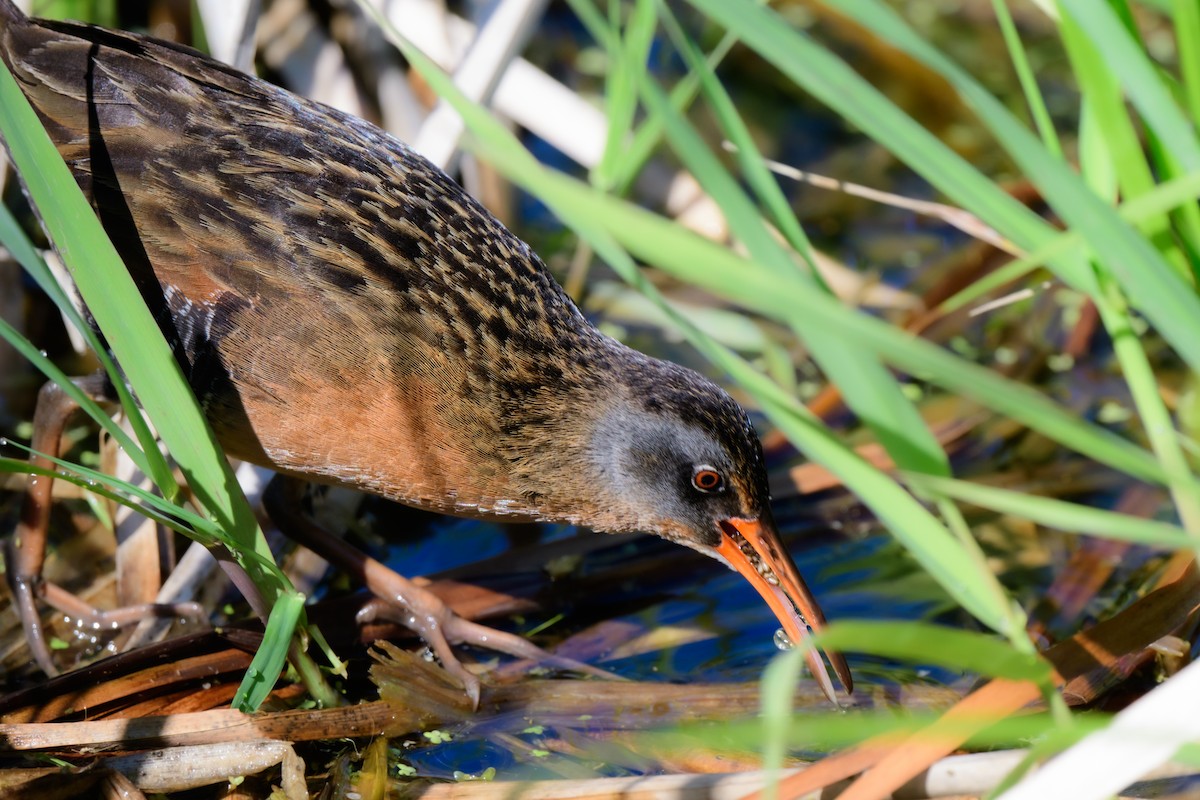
(753, 548)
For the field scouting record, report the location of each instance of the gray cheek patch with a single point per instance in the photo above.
(649, 458)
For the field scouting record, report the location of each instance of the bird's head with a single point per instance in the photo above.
(669, 452)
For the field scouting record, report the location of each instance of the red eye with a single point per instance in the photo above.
(707, 479)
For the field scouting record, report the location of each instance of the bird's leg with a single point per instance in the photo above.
(399, 599)
(25, 551)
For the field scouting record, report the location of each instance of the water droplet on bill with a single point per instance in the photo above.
(783, 641)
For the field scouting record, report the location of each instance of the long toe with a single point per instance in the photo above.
(463, 631)
(429, 624)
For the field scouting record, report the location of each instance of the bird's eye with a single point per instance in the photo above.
(706, 479)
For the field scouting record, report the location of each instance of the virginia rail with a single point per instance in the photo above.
(345, 313)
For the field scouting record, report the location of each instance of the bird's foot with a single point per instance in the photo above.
(84, 618)
(401, 601)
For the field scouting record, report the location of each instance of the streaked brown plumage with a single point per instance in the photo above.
(347, 314)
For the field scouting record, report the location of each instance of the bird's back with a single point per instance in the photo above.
(305, 266)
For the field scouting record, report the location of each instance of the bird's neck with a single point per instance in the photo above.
(555, 441)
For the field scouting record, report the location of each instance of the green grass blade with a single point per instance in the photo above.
(51, 371)
(1105, 122)
(923, 643)
(1110, 142)
(150, 505)
(1029, 84)
(1058, 514)
(779, 682)
(829, 731)
(268, 661)
(629, 64)
(649, 134)
(1186, 15)
(757, 174)
(1139, 77)
(144, 453)
(1156, 419)
(166, 512)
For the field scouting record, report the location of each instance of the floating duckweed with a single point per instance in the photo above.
(487, 775)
